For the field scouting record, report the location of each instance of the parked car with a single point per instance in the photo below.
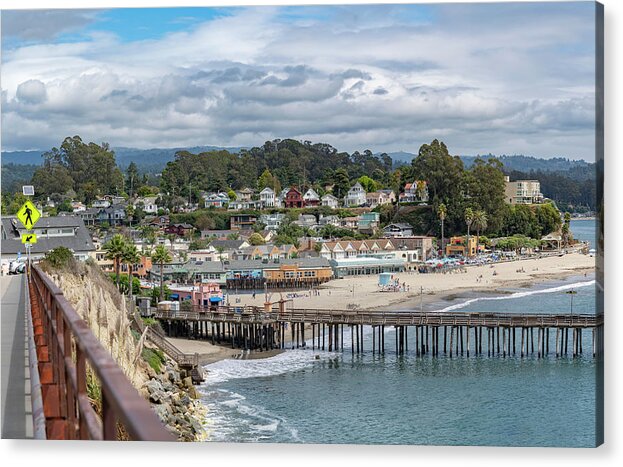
(17, 267)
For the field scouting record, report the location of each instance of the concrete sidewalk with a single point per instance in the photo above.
(15, 373)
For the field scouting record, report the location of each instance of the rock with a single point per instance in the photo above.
(188, 382)
(192, 392)
(158, 397)
(164, 412)
(153, 385)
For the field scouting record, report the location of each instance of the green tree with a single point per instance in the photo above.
(256, 239)
(160, 256)
(444, 175)
(115, 249)
(268, 180)
(441, 213)
(485, 188)
(341, 183)
(480, 223)
(368, 184)
(232, 195)
(131, 178)
(91, 167)
(469, 219)
(130, 257)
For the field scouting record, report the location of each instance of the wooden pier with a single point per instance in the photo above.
(451, 334)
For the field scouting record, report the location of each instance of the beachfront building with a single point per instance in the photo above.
(457, 246)
(311, 198)
(284, 273)
(356, 196)
(353, 248)
(366, 265)
(415, 192)
(330, 201)
(267, 197)
(267, 252)
(52, 232)
(413, 249)
(398, 229)
(523, 191)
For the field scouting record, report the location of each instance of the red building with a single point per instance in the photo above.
(293, 199)
(178, 229)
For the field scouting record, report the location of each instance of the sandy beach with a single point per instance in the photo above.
(363, 292)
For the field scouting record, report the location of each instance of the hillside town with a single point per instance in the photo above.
(293, 238)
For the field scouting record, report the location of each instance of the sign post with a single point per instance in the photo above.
(28, 215)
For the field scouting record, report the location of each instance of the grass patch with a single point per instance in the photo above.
(155, 358)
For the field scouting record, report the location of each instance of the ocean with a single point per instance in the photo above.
(405, 399)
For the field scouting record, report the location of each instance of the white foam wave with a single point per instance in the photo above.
(528, 293)
(292, 360)
(232, 418)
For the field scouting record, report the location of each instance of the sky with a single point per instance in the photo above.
(501, 78)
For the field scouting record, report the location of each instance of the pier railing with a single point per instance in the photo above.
(249, 315)
(65, 345)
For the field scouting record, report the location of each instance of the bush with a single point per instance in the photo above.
(59, 257)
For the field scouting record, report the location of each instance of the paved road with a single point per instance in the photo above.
(16, 405)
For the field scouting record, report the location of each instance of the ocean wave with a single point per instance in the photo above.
(232, 418)
(528, 293)
(291, 360)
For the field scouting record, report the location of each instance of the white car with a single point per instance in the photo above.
(17, 267)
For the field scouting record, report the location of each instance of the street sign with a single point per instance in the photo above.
(28, 190)
(29, 238)
(28, 215)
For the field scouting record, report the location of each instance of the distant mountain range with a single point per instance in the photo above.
(154, 160)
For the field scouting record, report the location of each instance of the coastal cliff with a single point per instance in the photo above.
(157, 378)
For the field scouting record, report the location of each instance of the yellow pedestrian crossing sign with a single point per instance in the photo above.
(29, 238)
(28, 215)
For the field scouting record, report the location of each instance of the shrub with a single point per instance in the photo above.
(59, 257)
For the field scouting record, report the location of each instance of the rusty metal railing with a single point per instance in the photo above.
(65, 345)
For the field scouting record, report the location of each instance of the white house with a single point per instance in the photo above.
(356, 196)
(149, 204)
(311, 198)
(101, 203)
(218, 200)
(267, 197)
(330, 201)
(416, 192)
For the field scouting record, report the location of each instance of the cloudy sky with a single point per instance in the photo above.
(514, 78)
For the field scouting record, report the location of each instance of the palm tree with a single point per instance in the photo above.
(131, 256)
(114, 250)
(469, 219)
(480, 223)
(160, 256)
(441, 212)
(220, 251)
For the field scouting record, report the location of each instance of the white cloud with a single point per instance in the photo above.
(486, 79)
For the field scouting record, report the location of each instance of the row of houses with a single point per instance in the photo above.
(294, 198)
